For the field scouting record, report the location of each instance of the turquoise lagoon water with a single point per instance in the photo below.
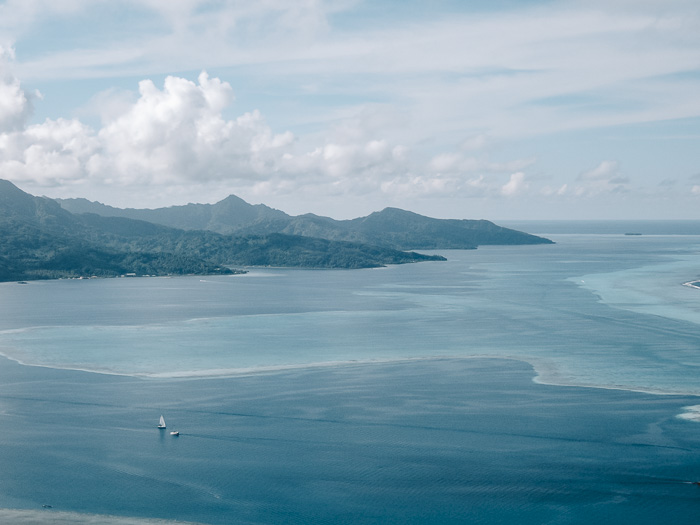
(397, 395)
(603, 310)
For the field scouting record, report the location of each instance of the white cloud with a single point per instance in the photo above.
(515, 185)
(355, 167)
(379, 104)
(459, 163)
(511, 64)
(549, 191)
(49, 154)
(15, 106)
(411, 185)
(7, 54)
(604, 178)
(173, 135)
(177, 137)
(447, 162)
(606, 170)
(15, 103)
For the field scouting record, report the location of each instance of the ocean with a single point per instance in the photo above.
(510, 384)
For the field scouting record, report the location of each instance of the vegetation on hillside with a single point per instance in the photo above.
(40, 240)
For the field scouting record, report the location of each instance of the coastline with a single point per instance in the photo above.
(549, 356)
(49, 516)
(545, 372)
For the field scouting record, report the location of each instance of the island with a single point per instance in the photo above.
(43, 238)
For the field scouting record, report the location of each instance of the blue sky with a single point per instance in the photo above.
(495, 109)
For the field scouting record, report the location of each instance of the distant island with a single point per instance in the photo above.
(42, 238)
(391, 227)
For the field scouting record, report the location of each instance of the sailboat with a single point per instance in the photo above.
(161, 423)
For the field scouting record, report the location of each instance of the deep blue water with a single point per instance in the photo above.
(443, 441)
(355, 397)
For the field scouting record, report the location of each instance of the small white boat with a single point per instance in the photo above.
(174, 433)
(161, 423)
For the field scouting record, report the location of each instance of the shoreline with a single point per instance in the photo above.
(29, 280)
(48, 515)
(544, 372)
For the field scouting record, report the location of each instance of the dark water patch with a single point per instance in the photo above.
(435, 441)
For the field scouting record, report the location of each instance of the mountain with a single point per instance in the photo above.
(226, 216)
(41, 240)
(245, 250)
(406, 230)
(390, 228)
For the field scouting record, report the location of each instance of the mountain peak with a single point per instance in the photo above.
(391, 227)
(16, 203)
(233, 200)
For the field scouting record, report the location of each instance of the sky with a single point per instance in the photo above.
(493, 109)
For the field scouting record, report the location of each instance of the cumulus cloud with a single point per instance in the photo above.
(176, 134)
(606, 170)
(177, 137)
(15, 103)
(459, 163)
(51, 153)
(15, 106)
(549, 191)
(455, 174)
(515, 185)
(451, 162)
(604, 178)
(347, 167)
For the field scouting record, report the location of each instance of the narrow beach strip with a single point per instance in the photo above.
(50, 516)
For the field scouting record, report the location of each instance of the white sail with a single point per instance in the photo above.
(161, 424)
